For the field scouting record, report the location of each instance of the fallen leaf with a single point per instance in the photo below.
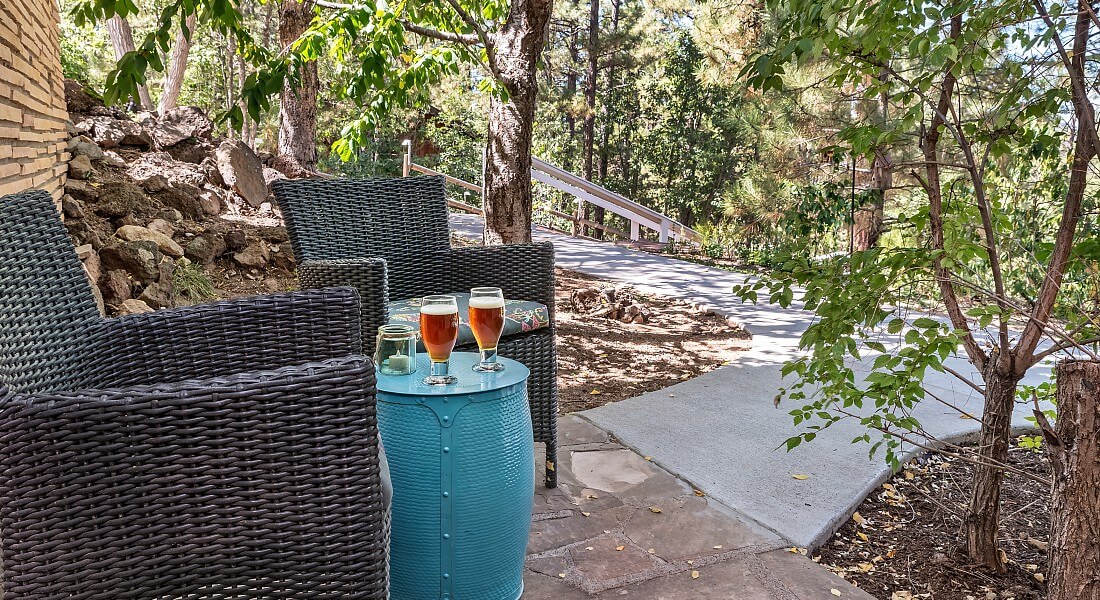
(699, 493)
(965, 416)
(620, 548)
(589, 548)
(595, 392)
(592, 496)
(651, 551)
(654, 510)
(858, 518)
(718, 547)
(792, 550)
(695, 574)
(902, 595)
(562, 575)
(865, 567)
(909, 475)
(650, 458)
(586, 513)
(1031, 567)
(1039, 577)
(800, 477)
(1040, 544)
(861, 535)
(893, 552)
(834, 592)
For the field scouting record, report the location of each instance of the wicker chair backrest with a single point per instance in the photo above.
(401, 220)
(46, 303)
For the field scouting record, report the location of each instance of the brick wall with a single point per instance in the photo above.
(32, 98)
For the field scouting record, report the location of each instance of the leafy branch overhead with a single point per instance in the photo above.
(386, 55)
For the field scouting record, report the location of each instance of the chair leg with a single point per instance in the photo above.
(552, 464)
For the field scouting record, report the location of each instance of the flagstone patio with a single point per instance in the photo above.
(620, 526)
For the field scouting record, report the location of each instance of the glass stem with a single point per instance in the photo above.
(439, 369)
(489, 356)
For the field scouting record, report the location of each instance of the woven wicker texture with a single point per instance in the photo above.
(470, 479)
(343, 231)
(228, 450)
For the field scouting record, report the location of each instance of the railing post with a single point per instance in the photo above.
(406, 157)
(663, 236)
(635, 231)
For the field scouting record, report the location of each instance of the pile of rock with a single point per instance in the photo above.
(144, 197)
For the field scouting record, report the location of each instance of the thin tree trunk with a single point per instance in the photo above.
(507, 175)
(298, 104)
(983, 512)
(1074, 451)
(177, 66)
(867, 225)
(122, 40)
(592, 74)
(608, 125)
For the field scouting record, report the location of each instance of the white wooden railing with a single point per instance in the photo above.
(585, 192)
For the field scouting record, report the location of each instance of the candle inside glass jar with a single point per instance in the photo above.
(398, 362)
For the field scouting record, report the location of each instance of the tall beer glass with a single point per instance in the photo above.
(439, 330)
(487, 323)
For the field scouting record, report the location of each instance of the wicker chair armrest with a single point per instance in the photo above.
(367, 275)
(522, 271)
(165, 489)
(222, 338)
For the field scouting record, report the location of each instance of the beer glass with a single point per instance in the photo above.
(439, 331)
(487, 323)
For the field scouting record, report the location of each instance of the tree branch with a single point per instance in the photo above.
(482, 35)
(466, 39)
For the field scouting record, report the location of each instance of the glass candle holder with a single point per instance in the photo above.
(396, 350)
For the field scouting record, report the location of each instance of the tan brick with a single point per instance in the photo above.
(10, 168)
(41, 179)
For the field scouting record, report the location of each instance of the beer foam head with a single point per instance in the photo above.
(439, 309)
(486, 302)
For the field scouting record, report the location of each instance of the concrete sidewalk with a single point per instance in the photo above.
(722, 432)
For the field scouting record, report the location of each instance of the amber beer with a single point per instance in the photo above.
(487, 321)
(439, 330)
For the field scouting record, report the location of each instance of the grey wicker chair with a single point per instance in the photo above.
(227, 450)
(389, 238)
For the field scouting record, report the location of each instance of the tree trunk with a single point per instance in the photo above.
(983, 512)
(177, 66)
(1074, 451)
(591, 77)
(297, 155)
(122, 39)
(507, 175)
(608, 124)
(867, 225)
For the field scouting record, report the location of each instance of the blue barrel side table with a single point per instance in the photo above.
(461, 460)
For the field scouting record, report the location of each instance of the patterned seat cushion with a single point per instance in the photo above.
(520, 316)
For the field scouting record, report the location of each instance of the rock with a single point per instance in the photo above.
(235, 240)
(109, 132)
(171, 215)
(116, 199)
(155, 183)
(81, 145)
(116, 287)
(77, 98)
(81, 190)
(157, 295)
(191, 150)
(71, 129)
(134, 307)
(160, 166)
(286, 165)
(255, 256)
(90, 258)
(184, 198)
(284, 258)
(210, 202)
(72, 207)
(82, 233)
(209, 166)
(205, 248)
(98, 297)
(127, 219)
(139, 258)
(242, 171)
(271, 175)
(161, 226)
(80, 167)
(112, 158)
(134, 233)
(191, 118)
(275, 235)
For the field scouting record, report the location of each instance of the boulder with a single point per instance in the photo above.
(282, 257)
(155, 183)
(209, 166)
(255, 256)
(154, 167)
(119, 198)
(271, 175)
(112, 158)
(191, 150)
(80, 167)
(139, 258)
(211, 202)
(133, 307)
(82, 145)
(171, 215)
(235, 240)
(275, 235)
(161, 226)
(110, 132)
(242, 171)
(72, 207)
(157, 295)
(82, 233)
(116, 287)
(192, 119)
(81, 190)
(184, 198)
(205, 248)
(134, 233)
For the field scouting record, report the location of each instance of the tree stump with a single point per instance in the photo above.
(1073, 445)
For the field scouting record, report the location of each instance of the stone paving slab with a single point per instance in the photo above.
(620, 526)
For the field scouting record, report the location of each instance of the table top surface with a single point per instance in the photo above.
(469, 380)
